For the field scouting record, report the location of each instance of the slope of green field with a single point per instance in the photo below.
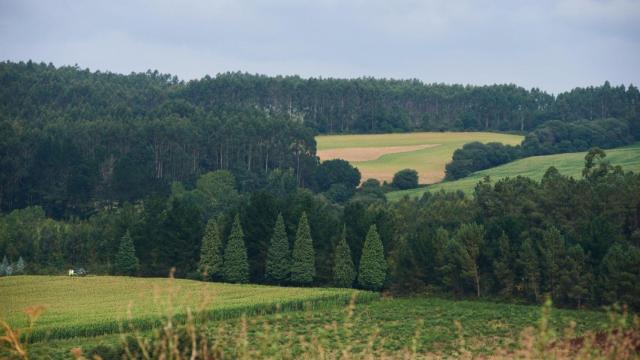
(570, 164)
(99, 304)
(428, 161)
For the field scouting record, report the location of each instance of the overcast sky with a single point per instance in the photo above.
(553, 45)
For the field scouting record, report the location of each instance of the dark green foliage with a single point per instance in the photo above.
(126, 262)
(503, 267)
(337, 171)
(552, 255)
(278, 266)
(405, 179)
(476, 156)
(236, 265)
(373, 265)
(620, 275)
(462, 256)
(530, 268)
(303, 268)
(211, 260)
(344, 272)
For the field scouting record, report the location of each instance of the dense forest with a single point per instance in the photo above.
(135, 174)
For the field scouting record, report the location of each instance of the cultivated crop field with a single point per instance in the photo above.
(97, 305)
(389, 326)
(534, 167)
(380, 156)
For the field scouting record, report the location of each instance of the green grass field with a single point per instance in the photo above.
(97, 305)
(77, 304)
(570, 164)
(429, 161)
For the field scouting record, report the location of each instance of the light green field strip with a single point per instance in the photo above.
(570, 164)
(429, 162)
(97, 305)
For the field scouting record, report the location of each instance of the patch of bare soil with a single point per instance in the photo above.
(368, 153)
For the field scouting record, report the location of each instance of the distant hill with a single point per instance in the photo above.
(534, 167)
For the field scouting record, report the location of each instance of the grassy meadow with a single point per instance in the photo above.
(534, 167)
(383, 326)
(426, 152)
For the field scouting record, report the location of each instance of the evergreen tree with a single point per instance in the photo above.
(126, 262)
(471, 237)
(528, 262)
(552, 253)
(373, 266)
(20, 266)
(4, 265)
(344, 272)
(503, 266)
(210, 265)
(278, 265)
(303, 268)
(236, 265)
(440, 242)
(574, 279)
(452, 268)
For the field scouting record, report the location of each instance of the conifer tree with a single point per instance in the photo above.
(303, 268)
(344, 272)
(471, 237)
(278, 264)
(126, 262)
(236, 264)
(210, 265)
(574, 279)
(373, 266)
(530, 267)
(503, 266)
(552, 253)
(20, 265)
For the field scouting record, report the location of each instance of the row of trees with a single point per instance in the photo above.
(575, 239)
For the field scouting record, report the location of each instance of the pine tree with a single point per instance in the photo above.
(20, 265)
(4, 265)
(126, 261)
(574, 277)
(471, 237)
(278, 264)
(210, 265)
(344, 272)
(440, 242)
(552, 252)
(373, 266)
(528, 262)
(236, 265)
(303, 268)
(503, 266)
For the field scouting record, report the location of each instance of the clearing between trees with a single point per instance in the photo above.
(380, 156)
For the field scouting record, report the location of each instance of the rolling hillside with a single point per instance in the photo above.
(380, 156)
(534, 167)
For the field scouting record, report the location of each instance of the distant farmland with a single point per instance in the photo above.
(380, 156)
(534, 167)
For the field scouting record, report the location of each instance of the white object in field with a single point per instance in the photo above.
(70, 272)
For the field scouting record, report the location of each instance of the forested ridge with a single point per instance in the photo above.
(73, 140)
(135, 174)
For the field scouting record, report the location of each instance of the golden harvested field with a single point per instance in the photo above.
(379, 156)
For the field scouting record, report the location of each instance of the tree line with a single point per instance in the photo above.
(577, 240)
(75, 141)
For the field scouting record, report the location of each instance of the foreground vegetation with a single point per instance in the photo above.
(429, 161)
(96, 305)
(534, 167)
(413, 327)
